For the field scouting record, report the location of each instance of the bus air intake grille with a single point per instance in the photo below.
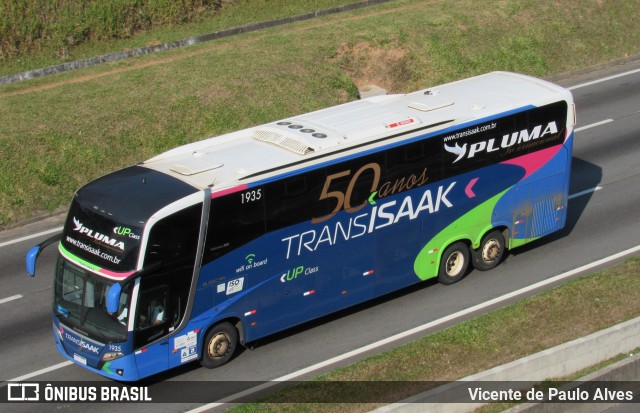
(543, 217)
(274, 137)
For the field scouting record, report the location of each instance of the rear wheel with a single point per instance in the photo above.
(219, 345)
(454, 263)
(491, 251)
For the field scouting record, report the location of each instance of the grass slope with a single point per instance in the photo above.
(59, 132)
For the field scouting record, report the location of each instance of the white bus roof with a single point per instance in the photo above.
(256, 153)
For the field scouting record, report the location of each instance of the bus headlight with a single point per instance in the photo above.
(111, 355)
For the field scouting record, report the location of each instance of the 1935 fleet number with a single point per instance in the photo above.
(251, 196)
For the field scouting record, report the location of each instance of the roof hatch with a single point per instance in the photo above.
(428, 108)
(198, 162)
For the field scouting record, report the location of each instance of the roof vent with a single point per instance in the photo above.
(276, 137)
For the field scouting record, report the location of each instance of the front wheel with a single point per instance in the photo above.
(491, 251)
(219, 345)
(454, 263)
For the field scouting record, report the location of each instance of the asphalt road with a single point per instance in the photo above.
(601, 223)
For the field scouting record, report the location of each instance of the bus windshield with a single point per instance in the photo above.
(80, 301)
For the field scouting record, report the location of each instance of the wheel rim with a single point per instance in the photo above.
(454, 264)
(491, 250)
(219, 345)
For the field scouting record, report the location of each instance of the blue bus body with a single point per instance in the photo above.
(280, 249)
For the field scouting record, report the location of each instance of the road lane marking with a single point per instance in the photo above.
(13, 297)
(585, 192)
(604, 79)
(593, 125)
(39, 372)
(28, 237)
(415, 330)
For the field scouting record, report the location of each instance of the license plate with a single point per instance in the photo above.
(80, 359)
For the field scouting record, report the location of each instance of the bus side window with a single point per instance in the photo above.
(175, 238)
(234, 220)
(419, 162)
(173, 241)
(151, 320)
(175, 311)
(153, 307)
(295, 200)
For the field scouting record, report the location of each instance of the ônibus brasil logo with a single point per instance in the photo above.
(508, 140)
(97, 235)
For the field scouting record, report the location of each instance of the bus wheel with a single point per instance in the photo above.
(219, 345)
(491, 251)
(454, 263)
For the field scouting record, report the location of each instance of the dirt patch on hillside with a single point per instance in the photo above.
(387, 66)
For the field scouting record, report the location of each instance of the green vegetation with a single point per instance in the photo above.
(37, 33)
(28, 25)
(573, 310)
(59, 132)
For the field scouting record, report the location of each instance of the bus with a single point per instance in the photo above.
(218, 243)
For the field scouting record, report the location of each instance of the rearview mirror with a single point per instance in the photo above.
(113, 298)
(113, 295)
(34, 252)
